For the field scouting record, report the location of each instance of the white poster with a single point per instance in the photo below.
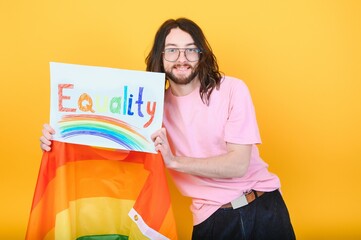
(106, 107)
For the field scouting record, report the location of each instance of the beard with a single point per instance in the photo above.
(183, 80)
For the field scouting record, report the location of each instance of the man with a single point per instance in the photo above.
(209, 139)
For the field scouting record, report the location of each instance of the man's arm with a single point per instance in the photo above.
(232, 164)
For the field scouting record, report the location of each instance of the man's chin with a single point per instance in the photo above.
(183, 80)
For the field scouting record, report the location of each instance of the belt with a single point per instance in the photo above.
(243, 200)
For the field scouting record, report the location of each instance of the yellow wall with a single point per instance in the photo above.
(300, 59)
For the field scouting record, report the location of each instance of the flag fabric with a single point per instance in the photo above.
(89, 193)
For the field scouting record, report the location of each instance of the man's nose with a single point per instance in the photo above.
(182, 56)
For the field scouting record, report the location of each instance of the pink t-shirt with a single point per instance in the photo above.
(197, 130)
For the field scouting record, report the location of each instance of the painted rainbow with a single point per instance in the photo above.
(109, 128)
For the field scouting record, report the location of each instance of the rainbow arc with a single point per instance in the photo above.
(109, 128)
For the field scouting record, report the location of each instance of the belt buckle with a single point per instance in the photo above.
(239, 202)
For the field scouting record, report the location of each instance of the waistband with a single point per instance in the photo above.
(243, 200)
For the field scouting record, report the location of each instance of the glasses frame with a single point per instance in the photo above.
(184, 50)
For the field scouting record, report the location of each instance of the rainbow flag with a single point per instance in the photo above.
(88, 193)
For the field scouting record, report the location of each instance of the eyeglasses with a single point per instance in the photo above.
(172, 54)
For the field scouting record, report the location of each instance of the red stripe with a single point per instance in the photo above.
(154, 193)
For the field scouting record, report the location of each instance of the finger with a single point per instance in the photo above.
(159, 148)
(45, 147)
(48, 128)
(158, 141)
(45, 141)
(155, 135)
(47, 134)
(163, 133)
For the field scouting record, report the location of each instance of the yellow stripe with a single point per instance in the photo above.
(96, 216)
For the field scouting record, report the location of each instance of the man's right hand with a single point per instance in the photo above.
(45, 139)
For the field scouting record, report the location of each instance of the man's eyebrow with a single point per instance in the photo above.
(175, 45)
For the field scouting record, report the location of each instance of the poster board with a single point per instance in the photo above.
(106, 107)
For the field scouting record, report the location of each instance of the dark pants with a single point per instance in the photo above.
(264, 218)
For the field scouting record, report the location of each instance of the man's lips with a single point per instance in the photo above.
(182, 68)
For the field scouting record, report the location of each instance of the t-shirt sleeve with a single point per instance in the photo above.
(241, 126)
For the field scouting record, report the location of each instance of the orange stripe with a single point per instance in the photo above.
(63, 153)
(168, 227)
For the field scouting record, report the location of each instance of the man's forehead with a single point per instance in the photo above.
(178, 37)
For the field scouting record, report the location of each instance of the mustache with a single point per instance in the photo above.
(182, 65)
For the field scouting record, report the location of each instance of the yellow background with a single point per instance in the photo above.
(300, 59)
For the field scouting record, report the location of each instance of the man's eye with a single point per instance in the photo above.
(192, 50)
(171, 50)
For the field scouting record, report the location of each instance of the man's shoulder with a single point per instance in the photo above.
(232, 82)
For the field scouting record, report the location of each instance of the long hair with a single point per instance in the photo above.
(207, 67)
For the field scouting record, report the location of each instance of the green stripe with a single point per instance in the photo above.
(104, 237)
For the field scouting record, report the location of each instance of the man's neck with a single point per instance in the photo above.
(184, 89)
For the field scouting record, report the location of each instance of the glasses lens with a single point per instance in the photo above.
(192, 54)
(172, 54)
